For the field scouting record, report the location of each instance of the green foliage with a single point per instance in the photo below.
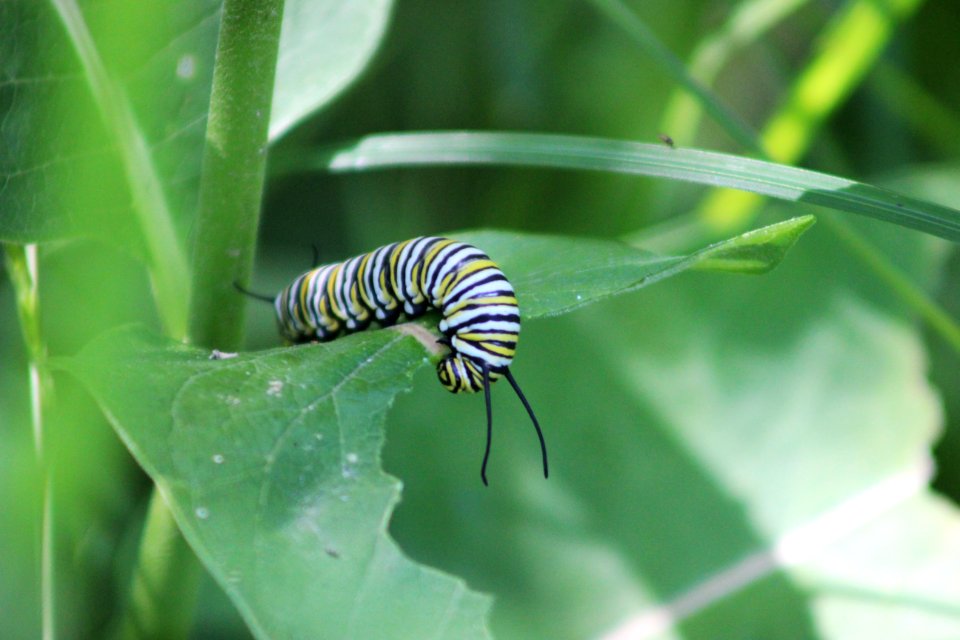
(730, 457)
(565, 152)
(270, 464)
(324, 46)
(271, 461)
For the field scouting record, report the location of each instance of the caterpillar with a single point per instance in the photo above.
(480, 319)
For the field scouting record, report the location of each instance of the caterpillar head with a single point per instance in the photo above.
(459, 375)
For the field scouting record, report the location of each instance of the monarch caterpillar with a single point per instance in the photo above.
(480, 318)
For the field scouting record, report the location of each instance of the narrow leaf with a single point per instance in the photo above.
(617, 156)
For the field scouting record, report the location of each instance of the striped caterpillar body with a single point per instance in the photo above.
(480, 319)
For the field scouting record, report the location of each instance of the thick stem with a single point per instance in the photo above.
(231, 187)
(165, 581)
(233, 169)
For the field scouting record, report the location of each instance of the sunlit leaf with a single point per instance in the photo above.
(324, 46)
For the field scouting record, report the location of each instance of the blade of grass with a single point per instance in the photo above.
(167, 259)
(852, 44)
(231, 186)
(572, 152)
(848, 49)
(22, 265)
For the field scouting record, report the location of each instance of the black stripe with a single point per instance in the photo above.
(494, 277)
(452, 329)
(482, 302)
(453, 248)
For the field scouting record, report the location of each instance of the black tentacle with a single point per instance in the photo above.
(257, 296)
(523, 399)
(486, 453)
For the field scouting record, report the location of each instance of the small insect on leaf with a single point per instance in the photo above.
(667, 140)
(402, 281)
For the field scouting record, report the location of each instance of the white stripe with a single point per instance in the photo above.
(354, 312)
(440, 260)
(316, 294)
(381, 258)
(465, 348)
(504, 326)
(464, 253)
(471, 281)
(464, 318)
(414, 294)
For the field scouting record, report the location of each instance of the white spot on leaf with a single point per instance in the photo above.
(186, 67)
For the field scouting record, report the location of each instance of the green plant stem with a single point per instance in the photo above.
(167, 259)
(231, 185)
(21, 261)
(165, 580)
(234, 165)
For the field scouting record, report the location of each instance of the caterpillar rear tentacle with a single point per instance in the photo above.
(480, 319)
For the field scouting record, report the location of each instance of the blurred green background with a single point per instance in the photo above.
(690, 424)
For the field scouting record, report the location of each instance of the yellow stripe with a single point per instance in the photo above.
(415, 277)
(503, 351)
(471, 268)
(482, 337)
(304, 285)
(445, 284)
(354, 298)
(394, 259)
(331, 278)
(361, 280)
(478, 302)
(391, 301)
(429, 258)
(434, 250)
(301, 309)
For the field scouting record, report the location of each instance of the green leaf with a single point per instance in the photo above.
(618, 156)
(71, 81)
(324, 46)
(271, 461)
(554, 275)
(102, 127)
(730, 457)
